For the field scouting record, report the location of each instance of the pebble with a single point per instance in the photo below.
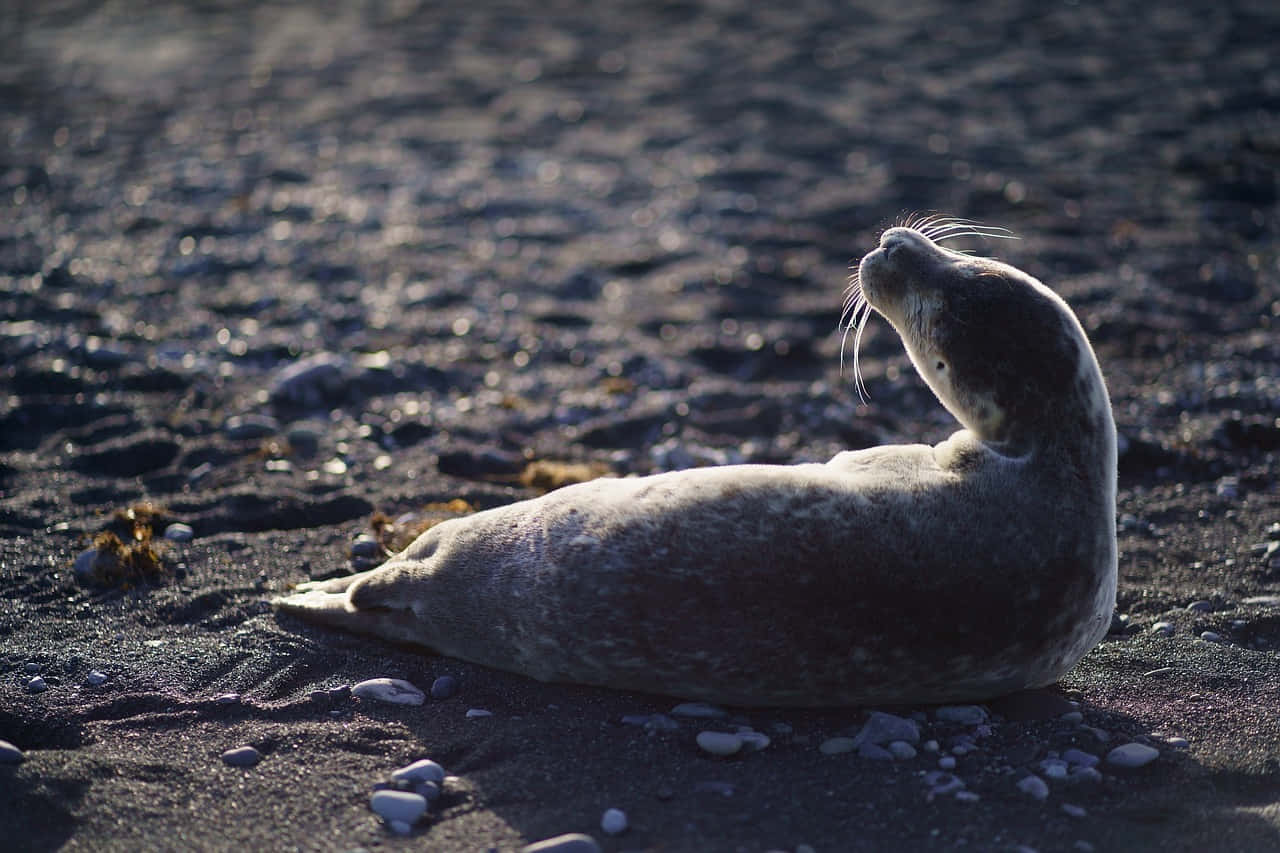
(1201, 606)
(940, 782)
(754, 741)
(1080, 758)
(95, 677)
(341, 693)
(1165, 628)
(1054, 768)
(719, 743)
(837, 745)
(242, 756)
(227, 699)
(475, 713)
(902, 750)
(1074, 811)
(424, 770)
(83, 567)
(1035, 787)
(311, 381)
(699, 710)
(929, 746)
(614, 821)
(883, 728)
(245, 427)
(179, 532)
(36, 684)
(969, 715)
(1211, 636)
(947, 762)
(393, 690)
(1086, 774)
(573, 842)
(9, 754)
(365, 545)
(444, 687)
(874, 752)
(1132, 755)
(967, 796)
(1156, 673)
(31, 668)
(1177, 742)
(403, 806)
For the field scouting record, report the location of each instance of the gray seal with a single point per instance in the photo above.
(897, 574)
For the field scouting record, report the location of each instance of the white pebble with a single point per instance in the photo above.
(1177, 742)
(614, 822)
(837, 745)
(1074, 811)
(425, 770)
(474, 713)
(573, 842)
(754, 741)
(719, 743)
(36, 685)
(243, 756)
(699, 710)
(393, 690)
(1035, 787)
(95, 677)
(902, 750)
(1132, 755)
(1165, 628)
(179, 532)
(1211, 636)
(403, 806)
(1054, 768)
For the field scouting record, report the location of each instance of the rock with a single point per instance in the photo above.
(393, 690)
(1132, 755)
(1073, 811)
(444, 687)
(251, 426)
(365, 545)
(95, 678)
(941, 782)
(573, 842)
(1054, 768)
(1201, 606)
(242, 756)
(719, 743)
(179, 532)
(614, 822)
(402, 806)
(474, 713)
(311, 382)
(1211, 636)
(837, 745)
(968, 715)
(84, 568)
(875, 752)
(36, 684)
(902, 750)
(753, 741)
(1080, 758)
(1035, 787)
(424, 770)
(882, 728)
(9, 754)
(1164, 628)
(947, 762)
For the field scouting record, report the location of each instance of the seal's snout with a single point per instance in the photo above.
(900, 238)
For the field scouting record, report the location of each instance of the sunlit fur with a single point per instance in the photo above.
(856, 310)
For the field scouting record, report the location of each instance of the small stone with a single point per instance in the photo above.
(95, 678)
(393, 690)
(430, 791)
(947, 762)
(699, 710)
(1080, 758)
(31, 668)
(36, 684)
(1158, 673)
(341, 693)
(1072, 717)
(883, 728)
(242, 756)
(1132, 755)
(614, 821)
(398, 805)
(365, 545)
(1074, 811)
(179, 532)
(444, 687)
(424, 770)
(1201, 606)
(719, 743)
(476, 713)
(902, 750)
(85, 566)
(1165, 628)
(875, 752)
(968, 715)
(1054, 768)
(1177, 742)
(753, 741)
(247, 427)
(399, 827)
(837, 745)
(967, 796)
(1034, 787)
(1085, 774)
(227, 699)
(929, 746)
(940, 782)
(1211, 636)
(9, 754)
(573, 842)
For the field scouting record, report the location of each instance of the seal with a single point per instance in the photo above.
(896, 574)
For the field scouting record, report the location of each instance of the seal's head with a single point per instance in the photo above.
(1003, 353)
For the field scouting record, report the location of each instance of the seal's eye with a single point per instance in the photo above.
(940, 366)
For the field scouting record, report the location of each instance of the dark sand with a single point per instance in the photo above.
(611, 232)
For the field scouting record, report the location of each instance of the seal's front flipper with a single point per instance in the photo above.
(329, 602)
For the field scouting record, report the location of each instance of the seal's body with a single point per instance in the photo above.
(979, 566)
